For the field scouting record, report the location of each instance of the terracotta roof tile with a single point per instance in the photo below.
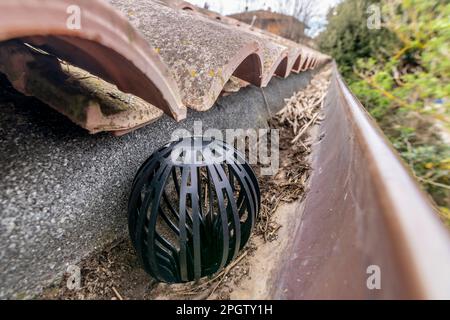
(201, 54)
(167, 52)
(106, 45)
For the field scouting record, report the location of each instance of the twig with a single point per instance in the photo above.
(194, 290)
(265, 101)
(437, 184)
(227, 270)
(299, 135)
(117, 294)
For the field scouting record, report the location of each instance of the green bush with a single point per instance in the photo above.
(401, 74)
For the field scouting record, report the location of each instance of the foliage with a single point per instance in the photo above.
(401, 74)
(347, 36)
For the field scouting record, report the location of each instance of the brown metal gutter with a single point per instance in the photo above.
(363, 208)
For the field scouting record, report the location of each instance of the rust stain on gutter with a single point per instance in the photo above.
(363, 209)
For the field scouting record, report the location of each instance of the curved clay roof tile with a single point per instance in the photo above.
(106, 44)
(201, 54)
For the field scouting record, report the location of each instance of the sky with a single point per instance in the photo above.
(226, 7)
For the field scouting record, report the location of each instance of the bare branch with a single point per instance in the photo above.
(303, 10)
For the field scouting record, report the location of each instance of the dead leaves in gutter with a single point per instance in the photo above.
(301, 112)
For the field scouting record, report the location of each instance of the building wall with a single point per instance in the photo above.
(280, 24)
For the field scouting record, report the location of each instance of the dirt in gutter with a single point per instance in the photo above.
(115, 272)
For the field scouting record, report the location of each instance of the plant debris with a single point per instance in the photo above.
(301, 112)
